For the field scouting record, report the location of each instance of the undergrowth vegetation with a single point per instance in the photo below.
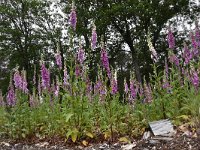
(72, 106)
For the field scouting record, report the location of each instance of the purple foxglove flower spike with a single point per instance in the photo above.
(195, 79)
(187, 54)
(105, 62)
(94, 37)
(126, 89)
(81, 55)
(11, 98)
(58, 60)
(114, 87)
(73, 18)
(77, 71)
(24, 82)
(154, 55)
(98, 86)
(17, 80)
(57, 87)
(66, 77)
(171, 39)
(174, 59)
(45, 77)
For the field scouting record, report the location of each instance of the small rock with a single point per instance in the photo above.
(79, 147)
(162, 138)
(5, 144)
(104, 146)
(187, 133)
(162, 127)
(154, 142)
(128, 146)
(42, 144)
(146, 135)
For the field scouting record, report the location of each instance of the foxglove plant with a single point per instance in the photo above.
(98, 85)
(195, 79)
(57, 88)
(154, 55)
(77, 70)
(58, 60)
(94, 37)
(81, 55)
(114, 88)
(105, 62)
(11, 97)
(17, 80)
(174, 59)
(171, 39)
(126, 89)
(73, 18)
(88, 88)
(24, 82)
(66, 77)
(187, 55)
(194, 44)
(45, 74)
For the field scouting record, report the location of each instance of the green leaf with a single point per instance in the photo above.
(68, 116)
(124, 139)
(74, 136)
(89, 134)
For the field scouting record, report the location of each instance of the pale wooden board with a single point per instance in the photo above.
(161, 127)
